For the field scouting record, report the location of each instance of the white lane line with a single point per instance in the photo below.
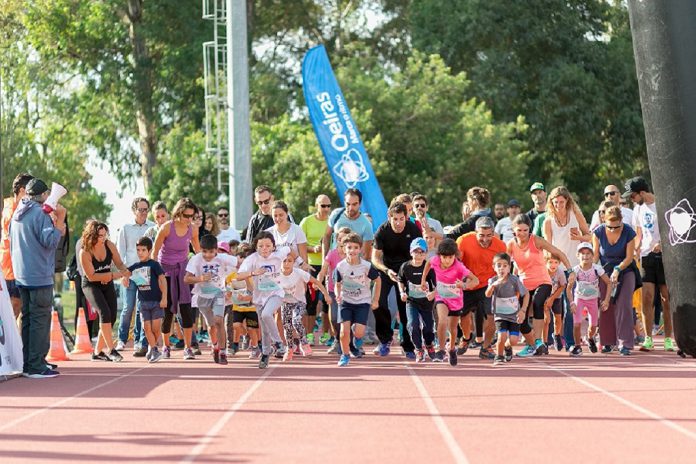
(215, 429)
(65, 400)
(646, 412)
(457, 453)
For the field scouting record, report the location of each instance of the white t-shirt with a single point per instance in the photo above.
(267, 284)
(220, 267)
(290, 239)
(504, 228)
(355, 281)
(294, 286)
(229, 234)
(645, 217)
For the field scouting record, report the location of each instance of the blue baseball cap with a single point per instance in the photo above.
(419, 243)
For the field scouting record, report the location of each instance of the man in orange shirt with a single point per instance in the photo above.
(478, 249)
(19, 186)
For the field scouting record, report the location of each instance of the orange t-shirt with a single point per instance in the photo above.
(479, 260)
(9, 207)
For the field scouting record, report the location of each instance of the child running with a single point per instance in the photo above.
(207, 270)
(148, 275)
(587, 296)
(244, 317)
(449, 272)
(294, 308)
(419, 304)
(505, 291)
(353, 276)
(554, 304)
(328, 267)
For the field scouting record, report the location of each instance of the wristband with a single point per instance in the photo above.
(617, 268)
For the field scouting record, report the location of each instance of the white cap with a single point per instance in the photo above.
(584, 245)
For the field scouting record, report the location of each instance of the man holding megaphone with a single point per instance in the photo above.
(35, 232)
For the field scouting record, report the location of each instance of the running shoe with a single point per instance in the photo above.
(498, 360)
(527, 351)
(508, 353)
(245, 342)
(358, 342)
(279, 350)
(45, 374)
(231, 351)
(558, 342)
(166, 352)
(343, 362)
(287, 356)
(196, 349)
(255, 352)
(540, 349)
(115, 356)
(334, 348)
(420, 356)
(439, 356)
(120, 345)
(306, 349)
(625, 351)
(310, 339)
(638, 340)
(100, 357)
(180, 345)
(223, 358)
(356, 353)
(486, 353)
(410, 355)
(155, 356)
(463, 346)
(140, 352)
(647, 344)
(453, 357)
(263, 363)
(576, 351)
(384, 349)
(188, 354)
(431, 352)
(475, 344)
(216, 356)
(669, 344)
(606, 349)
(325, 338)
(377, 349)
(592, 344)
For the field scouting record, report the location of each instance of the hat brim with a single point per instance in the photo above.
(627, 194)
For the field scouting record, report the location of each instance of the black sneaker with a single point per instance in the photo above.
(592, 344)
(51, 366)
(45, 374)
(625, 351)
(115, 356)
(541, 349)
(263, 363)
(453, 358)
(216, 356)
(196, 349)
(576, 351)
(486, 353)
(100, 357)
(558, 342)
(432, 354)
(439, 356)
(180, 345)
(463, 347)
(140, 353)
(508, 353)
(606, 349)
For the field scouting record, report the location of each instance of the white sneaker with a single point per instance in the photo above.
(120, 345)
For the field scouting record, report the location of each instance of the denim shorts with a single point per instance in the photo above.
(150, 311)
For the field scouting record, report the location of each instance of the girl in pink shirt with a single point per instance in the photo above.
(451, 278)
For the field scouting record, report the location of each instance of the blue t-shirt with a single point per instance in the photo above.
(360, 225)
(612, 255)
(146, 275)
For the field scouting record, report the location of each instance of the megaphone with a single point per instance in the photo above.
(57, 192)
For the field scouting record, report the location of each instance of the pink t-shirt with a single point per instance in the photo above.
(445, 282)
(333, 258)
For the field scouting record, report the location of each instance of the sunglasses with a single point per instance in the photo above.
(197, 218)
(263, 202)
(142, 210)
(223, 214)
(613, 227)
(601, 211)
(420, 205)
(187, 216)
(326, 206)
(610, 194)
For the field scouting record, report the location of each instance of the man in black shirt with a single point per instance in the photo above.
(262, 219)
(538, 193)
(390, 250)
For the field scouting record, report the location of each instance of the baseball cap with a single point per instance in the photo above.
(419, 243)
(513, 202)
(224, 246)
(537, 186)
(36, 187)
(635, 185)
(584, 245)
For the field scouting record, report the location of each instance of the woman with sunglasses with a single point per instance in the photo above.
(613, 246)
(97, 254)
(612, 195)
(171, 250)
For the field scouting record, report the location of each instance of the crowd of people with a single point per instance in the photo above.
(282, 288)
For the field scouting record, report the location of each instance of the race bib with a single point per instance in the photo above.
(141, 277)
(448, 290)
(267, 284)
(236, 294)
(588, 290)
(507, 305)
(415, 291)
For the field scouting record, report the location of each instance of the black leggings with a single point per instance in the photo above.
(185, 312)
(103, 300)
(537, 298)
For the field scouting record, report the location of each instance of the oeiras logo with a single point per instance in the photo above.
(351, 168)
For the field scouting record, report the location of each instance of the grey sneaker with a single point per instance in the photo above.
(188, 354)
(255, 353)
(155, 356)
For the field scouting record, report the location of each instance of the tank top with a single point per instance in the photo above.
(530, 264)
(174, 248)
(100, 266)
(561, 238)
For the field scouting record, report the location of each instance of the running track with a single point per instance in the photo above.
(596, 408)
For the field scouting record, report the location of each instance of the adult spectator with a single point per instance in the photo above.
(314, 228)
(406, 200)
(538, 194)
(613, 195)
(261, 219)
(288, 235)
(226, 232)
(478, 199)
(425, 223)
(612, 243)
(392, 248)
(349, 216)
(34, 238)
(601, 212)
(97, 255)
(565, 226)
(10, 204)
(477, 251)
(210, 224)
(652, 270)
(499, 211)
(503, 228)
(161, 215)
(126, 241)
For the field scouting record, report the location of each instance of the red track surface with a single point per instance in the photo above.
(597, 408)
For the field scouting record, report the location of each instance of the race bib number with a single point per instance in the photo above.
(415, 291)
(353, 286)
(267, 283)
(507, 305)
(448, 290)
(141, 277)
(588, 290)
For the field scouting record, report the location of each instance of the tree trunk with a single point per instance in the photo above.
(142, 83)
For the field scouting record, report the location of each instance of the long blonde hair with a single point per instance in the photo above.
(560, 191)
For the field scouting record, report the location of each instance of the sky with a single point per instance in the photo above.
(105, 182)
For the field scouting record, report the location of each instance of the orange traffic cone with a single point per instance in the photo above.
(57, 352)
(83, 344)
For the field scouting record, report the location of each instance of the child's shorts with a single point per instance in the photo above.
(251, 318)
(355, 313)
(150, 311)
(513, 328)
(214, 302)
(452, 312)
(592, 311)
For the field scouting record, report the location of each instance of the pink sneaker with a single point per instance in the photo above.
(306, 349)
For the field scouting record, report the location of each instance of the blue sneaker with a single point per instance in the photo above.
(527, 351)
(384, 349)
(411, 355)
(343, 362)
(358, 342)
